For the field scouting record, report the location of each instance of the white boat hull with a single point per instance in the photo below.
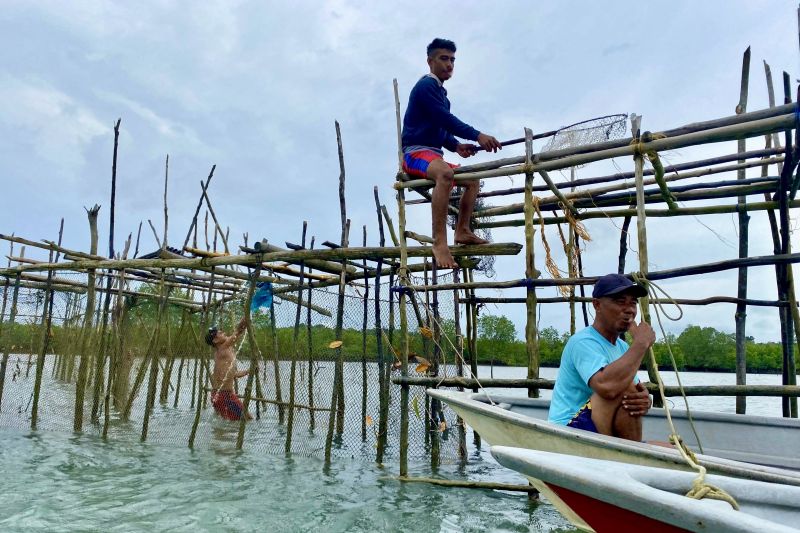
(615, 497)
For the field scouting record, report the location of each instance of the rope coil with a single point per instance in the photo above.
(700, 489)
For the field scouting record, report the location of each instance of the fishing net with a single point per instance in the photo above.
(601, 129)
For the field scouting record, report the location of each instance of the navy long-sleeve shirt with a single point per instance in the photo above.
(428, 121)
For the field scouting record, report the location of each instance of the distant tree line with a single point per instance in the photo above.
(695, 348)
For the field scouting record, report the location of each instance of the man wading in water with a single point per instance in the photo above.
(223, 395)
(596, 387)
(428, 126)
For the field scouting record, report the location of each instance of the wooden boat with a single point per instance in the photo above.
(500, 424)
(614, 497)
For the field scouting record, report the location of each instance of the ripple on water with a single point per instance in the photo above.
(55, 482)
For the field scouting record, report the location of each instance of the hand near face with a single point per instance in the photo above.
(636, 401)
(643, 334)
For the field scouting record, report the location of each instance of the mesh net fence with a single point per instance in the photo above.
(165, 359)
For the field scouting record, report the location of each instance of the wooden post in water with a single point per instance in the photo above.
(47, 320)
(402, 299)
(295, 350)
(383, 385)
(155, 347)
(310, 348)
(336, 417)
(459, 357)
(435, 417)
(531, 333)
(12, 316)
(364, 346)
(641, 229)
(744, 224)
(251, 338)
(276, 365)
(120, 316)
(789, 370)
(86, 329)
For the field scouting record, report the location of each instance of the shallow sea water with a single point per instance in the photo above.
(58, 482)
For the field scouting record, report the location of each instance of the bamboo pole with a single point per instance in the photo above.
(383, 385)
(193, 225)
(696, 127)
(309, 340)
(740, 317)
(11, 318)
(336, 417)
(295, 356)
(404, 282)
(254, 351)
(119, 360)
(665, 301)
(86, 329)
(276, 365)
(655, 213)
(101, 356)
(151, 384)
(595, 197)
(364, 346)
(484, 485)
(641, 230)
(199, 386)
(791, 391)
(217, 227)
(459, 359)
(727, 133)
(624, 176)
(531, 333)
(789, 371)
(251, 259)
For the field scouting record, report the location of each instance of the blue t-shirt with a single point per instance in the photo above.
(586, 352)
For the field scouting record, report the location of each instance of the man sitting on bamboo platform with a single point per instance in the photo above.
(223, 395)
(597, 388)
(428, 126)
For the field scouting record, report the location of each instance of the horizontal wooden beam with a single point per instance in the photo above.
(695, 390)
(253, 259)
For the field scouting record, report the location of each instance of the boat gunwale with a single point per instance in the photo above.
(549, 469)
(721, 465)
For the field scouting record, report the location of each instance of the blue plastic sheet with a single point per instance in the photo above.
(262, 297)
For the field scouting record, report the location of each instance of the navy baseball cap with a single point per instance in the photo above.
(612, 284)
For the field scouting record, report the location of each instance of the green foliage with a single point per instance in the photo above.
(696, 348)
(496, 329)
(708, 348)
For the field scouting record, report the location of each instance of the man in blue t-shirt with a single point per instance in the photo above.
(428, 126)
(597, 388)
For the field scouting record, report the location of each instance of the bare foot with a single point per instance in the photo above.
(443, 257)
(468, 237)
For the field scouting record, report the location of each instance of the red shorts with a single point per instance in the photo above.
(227, 404)
(416, 163)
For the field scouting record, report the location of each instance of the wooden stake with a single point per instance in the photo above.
(531, 335)
(744, 223)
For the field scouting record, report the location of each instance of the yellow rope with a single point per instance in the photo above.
(700, 489)
(549, 263)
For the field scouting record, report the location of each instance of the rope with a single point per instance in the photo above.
(458, 353)
(549, 263)
(700, 489)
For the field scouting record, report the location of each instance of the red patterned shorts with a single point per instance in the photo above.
(227, 404)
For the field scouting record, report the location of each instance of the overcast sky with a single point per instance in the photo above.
(255, 88)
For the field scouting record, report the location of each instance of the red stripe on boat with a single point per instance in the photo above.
(608, 518)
